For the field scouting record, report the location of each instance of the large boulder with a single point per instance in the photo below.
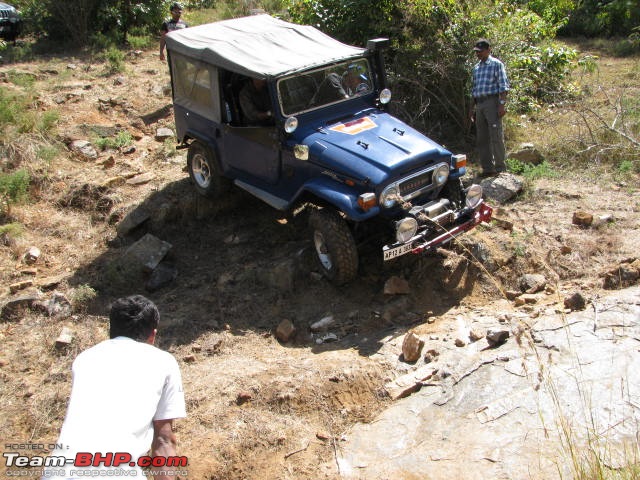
(502, 188)
(527, 153)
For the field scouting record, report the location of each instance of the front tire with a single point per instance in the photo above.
(204, 171)
(334, 247)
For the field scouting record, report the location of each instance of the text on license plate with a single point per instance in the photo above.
(396, 252)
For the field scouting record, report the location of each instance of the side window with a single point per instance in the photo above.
(193, 85)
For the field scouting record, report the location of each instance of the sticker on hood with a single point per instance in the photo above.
(356, 126)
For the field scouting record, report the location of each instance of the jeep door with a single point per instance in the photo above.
(252, 152)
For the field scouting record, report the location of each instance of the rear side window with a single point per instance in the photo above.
(195, 86)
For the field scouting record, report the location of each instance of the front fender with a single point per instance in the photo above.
(341, 196)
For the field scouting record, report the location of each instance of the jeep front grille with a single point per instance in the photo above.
(413, 184)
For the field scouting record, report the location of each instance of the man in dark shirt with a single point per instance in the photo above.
(169, 25)
(255, 103)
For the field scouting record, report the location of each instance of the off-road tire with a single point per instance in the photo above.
(454, 191)
(333, 246)
(204, 171)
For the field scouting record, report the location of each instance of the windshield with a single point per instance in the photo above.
(324, 86)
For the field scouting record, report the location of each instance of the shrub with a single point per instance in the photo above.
(115, 59)
(81, 296)
(12, 230)
(75, 21)
(431, 58)
(122, 139)
(17, 113)
(13, 189)
(531, 172)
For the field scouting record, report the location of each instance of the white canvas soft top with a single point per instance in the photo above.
(259, 46)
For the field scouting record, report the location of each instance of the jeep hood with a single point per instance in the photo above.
(375, 147)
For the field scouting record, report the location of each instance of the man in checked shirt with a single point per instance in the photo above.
(489, 90)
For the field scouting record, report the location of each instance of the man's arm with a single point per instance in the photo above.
(164, 444)
(163, 31)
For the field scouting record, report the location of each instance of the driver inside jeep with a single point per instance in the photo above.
(255, 103)
(330, 90)
(354, 80)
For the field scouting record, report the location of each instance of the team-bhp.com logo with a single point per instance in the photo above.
(81, 465)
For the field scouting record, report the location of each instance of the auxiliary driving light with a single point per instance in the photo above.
(474, 196)
(406, 229)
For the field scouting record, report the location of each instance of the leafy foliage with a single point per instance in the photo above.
(122, 139)
(354, 22)
(13, 189)
(609, 18)
(430, 58)
(79, 21)
(529, 171)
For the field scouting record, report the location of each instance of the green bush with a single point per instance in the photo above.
(122, 139)
(140, 42)
(76, 21)
(595, 18)
(47, 153)
(115, 60)
(18, 115)
(430, 58)
(13, 230)
(21, 79)
(13, 189)
(82, 296)
(531, 172)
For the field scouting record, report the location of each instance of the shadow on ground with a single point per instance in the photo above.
(243, 266)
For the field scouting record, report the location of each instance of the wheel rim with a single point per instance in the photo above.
(322, 250)
(201, 171)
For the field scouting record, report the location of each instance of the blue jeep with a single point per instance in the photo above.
(10, 22)
(326, 145)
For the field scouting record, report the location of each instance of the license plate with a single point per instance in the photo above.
(396, 252)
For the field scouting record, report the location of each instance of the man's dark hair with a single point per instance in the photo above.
(134, 317)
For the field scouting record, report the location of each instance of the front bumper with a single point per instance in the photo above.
(440, 230)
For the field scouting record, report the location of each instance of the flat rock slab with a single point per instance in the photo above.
(147, 252)
(500, 417)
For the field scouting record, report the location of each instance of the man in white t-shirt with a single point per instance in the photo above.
(124, 398)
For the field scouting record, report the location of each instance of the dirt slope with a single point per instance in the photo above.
(258, 408)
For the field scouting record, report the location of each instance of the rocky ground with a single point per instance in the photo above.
(270, 392)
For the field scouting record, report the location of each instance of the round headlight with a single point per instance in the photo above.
(385, 96)
(474, 196)
(290, 124)
(441, 174)
(389, 197)
(406, 229)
